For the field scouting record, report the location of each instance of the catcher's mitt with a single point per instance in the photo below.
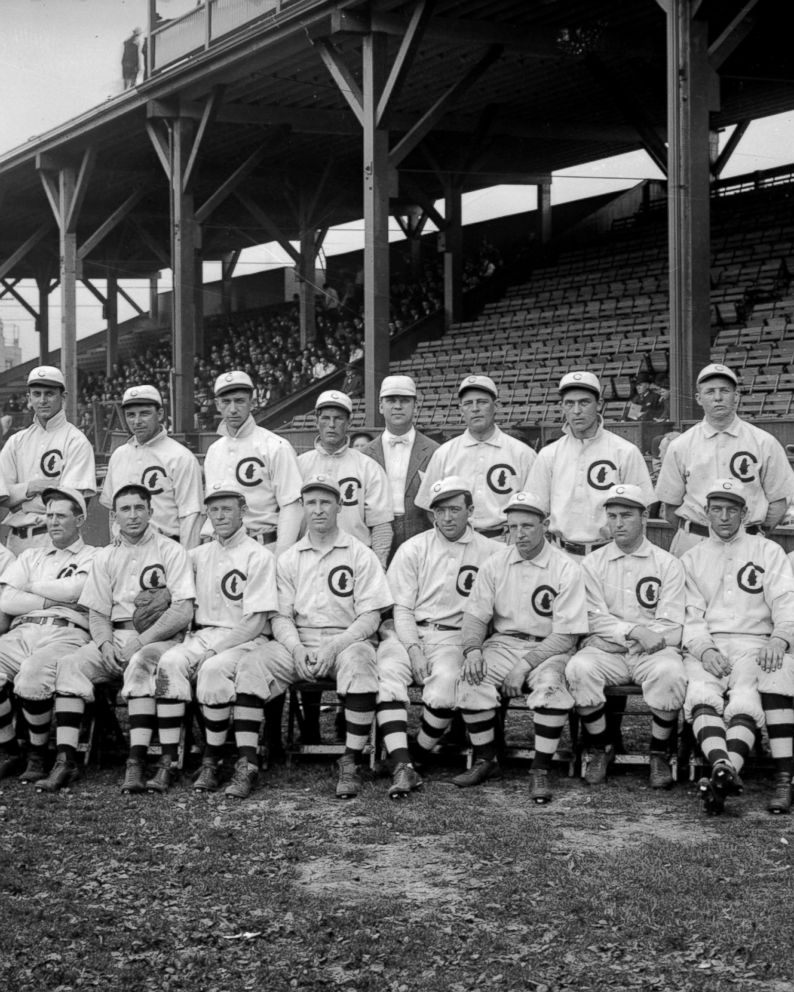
(150, 605)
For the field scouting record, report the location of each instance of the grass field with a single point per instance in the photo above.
(610, 888)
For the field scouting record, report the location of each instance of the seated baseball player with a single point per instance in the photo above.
(533, 595)
(737, 635)
(138, 566)
(331, 590)
(40, 593)
(235, 590)
(7, 559)
(635, 609)
(430, 577)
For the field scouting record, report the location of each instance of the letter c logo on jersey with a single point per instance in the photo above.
(67, 571)
(647, 591)
(340, 580)
(498, 479)
(466, 576)
(153, 577)
(232, 585)
(249, 471)
(349, 488)
(151, 477)
(51, 463)
(743, 465)
(602, 475)
(750, 577)
(543, 600)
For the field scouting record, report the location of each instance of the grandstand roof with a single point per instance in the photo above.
(568, 81)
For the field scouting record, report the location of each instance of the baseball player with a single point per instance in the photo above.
(533, 596)
(51, 452)
(495, 462)
(737, 636)
(635, 610)
(263, 464)
(573, 474)
(722, 445)
(6, 560)
(403, 453)
(331, 590)
(40, 594)
(366, 507)
(139, 559)
(168, 469)
(235, 590)
(430, 577)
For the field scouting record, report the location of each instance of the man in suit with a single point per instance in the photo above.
(403, 453)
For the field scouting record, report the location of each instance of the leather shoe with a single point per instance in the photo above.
(34, 769)
(133, 777)
(661, 774)
(63, 773)
(349, 781)
(781, 797)
(10, 763)
(243, 780)
(600, 759)
(404, 780)
(481, 771)
(207, 778)
(163, 777)
(539, 789)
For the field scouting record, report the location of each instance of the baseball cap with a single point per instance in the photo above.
(333, 397)
(321, 482)
(46, 375)
(451, 485)
(236, 379)
(626, 494)
(397, 385)
(715, 371)
(67, 493)
(527, 501)
(727, 489)
(580, 380)
(483, 382)
(141, 394)
(218, 489)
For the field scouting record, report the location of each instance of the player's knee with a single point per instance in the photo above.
(744, 702)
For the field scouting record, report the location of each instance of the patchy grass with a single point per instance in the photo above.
(460, 891)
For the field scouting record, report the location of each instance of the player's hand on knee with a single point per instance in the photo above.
(770, 657)
(513, 685)
(648, 640)
(303, 663)
(109, 659)
(420, 667)
(473, 667)
(324, 661)
(715, 663)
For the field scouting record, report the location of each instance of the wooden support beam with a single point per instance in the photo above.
(158, 136)
(409, 47)
(112, 221)
(263, 220)
(125, 296)
(94, 291)
(451, 241)
(733, 35)
(10, 288)
(149, 242)
(241, 173)
(80, 188)
(730, 147)
(43, 320)
(343, 78)
(208, 111)
(112, 318)
(8, 266)
(424, 200)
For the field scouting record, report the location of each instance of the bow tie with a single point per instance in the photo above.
(398, 440)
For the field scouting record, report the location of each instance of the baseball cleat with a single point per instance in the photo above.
(404, 780)
(163, 778)
(781, 796)
(207, 778)
(713, 802)
(243, 780)
(133, 778)
(600, 760)
(10, 763)
(349, 781)
(539, 789)
(661, 774)
(63, 773)
(34, 770)
(481, 771)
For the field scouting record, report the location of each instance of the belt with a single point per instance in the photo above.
(492, 531)
(264, 537)
(123, 625)
(692, 528)
(581, 549)
(52, 621)
(435, 626)
(519, 635)
(28, 531)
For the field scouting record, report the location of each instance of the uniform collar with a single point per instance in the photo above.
(148, 535)
(465, 538)
(732, 428)
(74, 548)
(737, 538)
(152, 440)
(246, 428)
(585, 440)
(496, 439)
(52, 424)
(541, 559)
(332, 454)
(613, 552)
(341, 540)
(236, 539)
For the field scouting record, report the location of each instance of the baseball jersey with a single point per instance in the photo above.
(433, 577)
(330, 587)
(263, 464)
(542, 596)
(58, 452)
(121, 570)
(744, 586)
(644, 587)
(7, 559)
(234, 578)
(495, 467)
(169, 471)
(364, 488)
(573, 476)
(741, 451)
(37, 569)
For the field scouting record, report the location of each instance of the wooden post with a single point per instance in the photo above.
(183, 262)
(112, 317)
(43, 321)
(452, 241)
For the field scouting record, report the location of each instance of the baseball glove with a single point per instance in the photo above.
(150, 605)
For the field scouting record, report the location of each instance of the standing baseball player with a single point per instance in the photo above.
(167, 468)
(403, 453)
(264, 465)
(635, 609)
(722, 445)
(331, 591)
(40, 593)
(430, 576)
(51, 452)
(737, 637)
(235, 591)
(495, 462)
(573, 474)
(138, 565)
(533, 596)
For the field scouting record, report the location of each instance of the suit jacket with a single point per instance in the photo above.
(415, 519)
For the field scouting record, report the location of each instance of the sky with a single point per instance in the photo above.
(59, 58)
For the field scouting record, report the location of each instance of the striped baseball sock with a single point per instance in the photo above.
(662, 725)
(8, 738)
(393, 725)
(740, 736)
(549, 725)
(170, 717)
(481, 727)
(142, 712)
(249, 712)
(594, 722)
(69, 712)
(435, 722)
(779, 711)
(709, 730)
(359, 714)
(38, 714)
(216, 726)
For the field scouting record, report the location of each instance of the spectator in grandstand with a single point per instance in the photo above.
(644, 402)
(662, 387)
(131, 59)
(725, 444)
(360, 440)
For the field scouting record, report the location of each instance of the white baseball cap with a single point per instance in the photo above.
(67, 493)
(333, 397)
(715, 371)
(46, 375)
(321, 482)
(727, 489)
(397, 385)
(483, 382)
(141, 394)
(580, 380)
(451, 485)
(236, 379)
(218, 489)
(626, 494)
(529, 502)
